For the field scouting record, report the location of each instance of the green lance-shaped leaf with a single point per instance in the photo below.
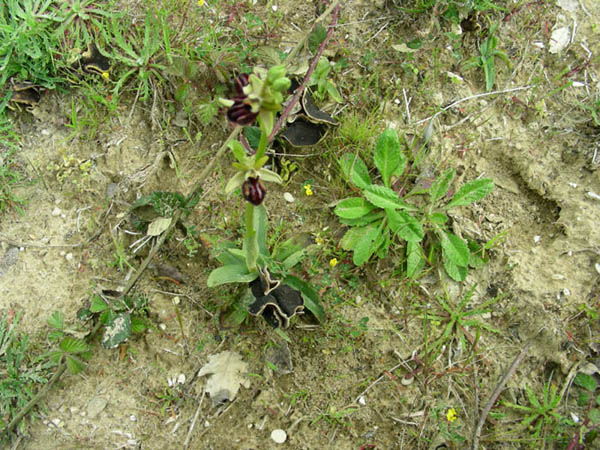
(455, 249)
(405, 225)
(385, 198)
(415, 259)
(440, 186)
(238, 151)
(374, 215)
(471, 192)
(388, 156)
(117, 330)
(365, 247)
(353, 208)
(232, 273)
(355, 170)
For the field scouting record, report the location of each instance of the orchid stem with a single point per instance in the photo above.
(251, 239)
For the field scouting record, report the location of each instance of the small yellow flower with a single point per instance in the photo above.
(333, 262)
(200, 2)
(308, 189)
(105, 75)
(451, 415)
(320, 241)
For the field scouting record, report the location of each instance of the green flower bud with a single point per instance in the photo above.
(275, 73)
(281, 85)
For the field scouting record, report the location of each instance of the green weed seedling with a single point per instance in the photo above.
(486, 59)
(28, 42)
(380, 215)
(542, 419)
(120, 317)
(72, 350)
(79, 17)
(324, 86)
(20, 372)
(142, 52)
(458, 322)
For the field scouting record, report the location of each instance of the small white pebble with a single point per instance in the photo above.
(288, 197)
(536, 239)
(573, 185)
(69, 256)
(593, 195)
(566, 292)
(274, 8)
(539, 44)
(578, 84)
(132, 418)
(279, 436)
(361, 400)
(176, 300)
(56, 211)
(181, 378)
(162, 326)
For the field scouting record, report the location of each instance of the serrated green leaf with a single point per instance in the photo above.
(355, 170)
(352, 237)
(455, 249)
(74, 365)
(117, 330)
(98, 304)
(405, 225)
(415, 259)
(73, 345)
(230, 274)
(585, 381)
(353, 208)
(441, 184)
(238, 151)
(310, 296)
(471, 192)
(138, 325)
(457, 273)
(56, 320)
(387, 155)
(365, 247)
(385, 198)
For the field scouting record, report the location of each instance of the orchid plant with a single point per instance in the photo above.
(273, 292)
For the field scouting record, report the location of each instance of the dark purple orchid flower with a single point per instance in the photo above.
(254, 191)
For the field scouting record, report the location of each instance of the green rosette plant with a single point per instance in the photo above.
(380, 216)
